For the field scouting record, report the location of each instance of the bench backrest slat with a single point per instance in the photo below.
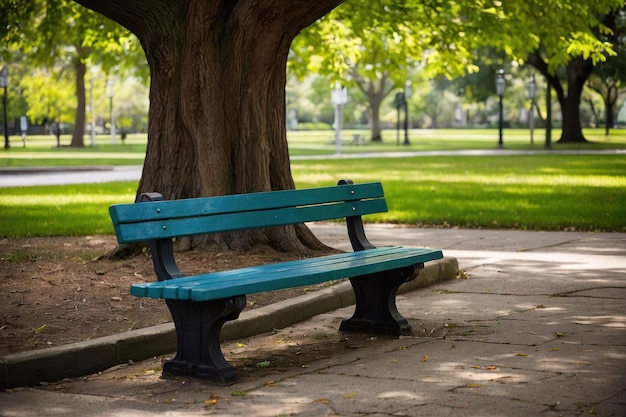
(175, 218)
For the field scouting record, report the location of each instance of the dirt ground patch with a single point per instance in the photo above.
(57, 291)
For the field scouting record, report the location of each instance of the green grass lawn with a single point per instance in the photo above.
(41, 150)
(538, 192)
(64, 210)
(534, 192)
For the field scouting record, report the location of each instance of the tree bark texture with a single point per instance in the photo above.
(217, 98)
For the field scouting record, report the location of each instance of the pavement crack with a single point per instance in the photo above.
(555, 245)
(575, 292)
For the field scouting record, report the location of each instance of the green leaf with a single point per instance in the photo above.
(39, 329)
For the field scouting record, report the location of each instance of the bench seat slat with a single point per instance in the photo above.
(215, 223)
(309, 274)
(268, 269)
(238, 203)
(176, 288)
(284, 275)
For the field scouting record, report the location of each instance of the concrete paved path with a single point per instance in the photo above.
(536, 325)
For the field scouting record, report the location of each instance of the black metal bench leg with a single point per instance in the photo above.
(198, 326)
(376, 310)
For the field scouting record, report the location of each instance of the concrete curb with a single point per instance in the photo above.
(92, 356)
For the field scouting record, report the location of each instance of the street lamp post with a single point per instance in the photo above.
(4, 82)
(92, 111)
(399, 102)
(500, 92)
(111, 93)
(408, 92)
(532, 89)
(338, 98)
(548, 144)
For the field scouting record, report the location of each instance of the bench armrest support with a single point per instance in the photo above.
(356, 232)
(162, 250)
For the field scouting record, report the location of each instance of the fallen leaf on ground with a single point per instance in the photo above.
(210, 402)
(322, 400)
(39, 329)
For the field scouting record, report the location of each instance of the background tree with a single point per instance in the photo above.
(447, 35)
(564, 46)
(609, 88)
(608, 77)
(131, 105)
(49, 99)
(372, 48)
(434, 101)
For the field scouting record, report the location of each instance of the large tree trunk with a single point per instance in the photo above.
(217, 120)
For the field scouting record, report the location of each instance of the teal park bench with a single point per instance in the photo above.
(201, 304)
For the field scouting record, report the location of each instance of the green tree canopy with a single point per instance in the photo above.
(608, 77)
(385, 41)
(64, 38)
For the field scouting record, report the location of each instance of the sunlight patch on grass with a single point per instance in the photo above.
(557, 180)
(73, 155)
(60, 200)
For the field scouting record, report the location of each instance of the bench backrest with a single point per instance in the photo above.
(176, 218)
